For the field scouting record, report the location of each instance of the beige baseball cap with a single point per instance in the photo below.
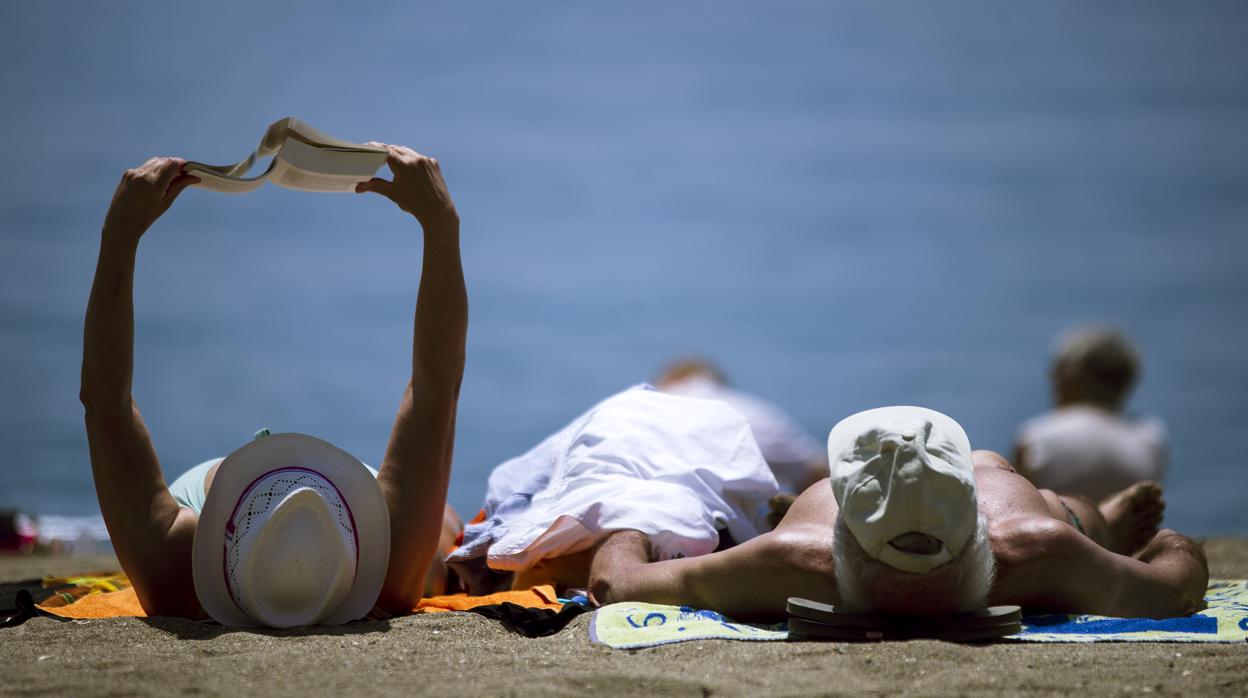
(904, 470)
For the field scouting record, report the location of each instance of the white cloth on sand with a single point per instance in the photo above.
(789, 449)
(1091, 452)
(674, 468)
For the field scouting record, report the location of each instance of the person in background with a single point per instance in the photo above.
(17, 532)
(795, 458)
(1087, 446)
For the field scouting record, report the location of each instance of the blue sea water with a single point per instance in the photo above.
(845, 204)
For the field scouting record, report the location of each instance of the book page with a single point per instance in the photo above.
(296, 129)
(332, 161)
(292, 177)
(212, 177)
(303, 158)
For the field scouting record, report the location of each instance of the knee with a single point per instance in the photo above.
(600, 590)
(616, 555)
(1079, 499)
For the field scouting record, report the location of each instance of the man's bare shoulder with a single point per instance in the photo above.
(815, 506)
(1025, 538)
(1008, 500)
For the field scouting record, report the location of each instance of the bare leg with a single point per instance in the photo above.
(1125, 521)
(1090, 520)
(619, 552)
(1134, 515)
(563, 572)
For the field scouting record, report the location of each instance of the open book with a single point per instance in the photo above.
(303, 159)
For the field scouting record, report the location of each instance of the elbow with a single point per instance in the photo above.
(1185, 570)
(101, 406)
(102, 398)
(404, 585)
(399, 599)
(601, 590)
(162, 606)
(88, 391)
(170, 601)
(454, 372)
(440, 383)
(450, 379)
(90, 399)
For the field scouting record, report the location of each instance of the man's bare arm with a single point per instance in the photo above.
(416, 469)
(151, 534)
(1047, 565)
(751, 581)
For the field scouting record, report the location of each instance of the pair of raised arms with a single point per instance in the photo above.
(148, 190)
(152, 535)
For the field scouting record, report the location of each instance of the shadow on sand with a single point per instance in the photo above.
(185, 629)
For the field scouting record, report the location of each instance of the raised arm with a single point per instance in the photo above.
(1046, 565)
(151, 534)
(416, 469)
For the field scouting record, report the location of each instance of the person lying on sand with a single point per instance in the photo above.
(292, 530)
(913, 521)
(684, 471)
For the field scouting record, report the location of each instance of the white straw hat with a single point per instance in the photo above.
(899, 470)
(294, 531)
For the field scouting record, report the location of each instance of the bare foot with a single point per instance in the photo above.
(1133, 516)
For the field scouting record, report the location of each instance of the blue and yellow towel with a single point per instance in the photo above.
(627, 625)
(636, 625)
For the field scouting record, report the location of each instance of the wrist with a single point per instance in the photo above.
(443, 225)
(121, 236)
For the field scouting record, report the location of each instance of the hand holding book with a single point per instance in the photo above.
(143, 195)
(418, 186)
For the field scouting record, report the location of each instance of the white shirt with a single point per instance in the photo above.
(789, 450)
(1092, 452)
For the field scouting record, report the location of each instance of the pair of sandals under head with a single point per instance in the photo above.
(812, 620)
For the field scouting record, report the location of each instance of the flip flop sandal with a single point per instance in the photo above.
(812, 620)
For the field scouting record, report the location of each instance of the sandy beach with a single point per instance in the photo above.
(465, 654)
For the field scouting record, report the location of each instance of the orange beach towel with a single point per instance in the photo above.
(125, 604)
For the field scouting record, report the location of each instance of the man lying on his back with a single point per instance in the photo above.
(913, 521)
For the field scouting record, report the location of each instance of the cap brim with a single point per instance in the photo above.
(358, 487)
(846, 431)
